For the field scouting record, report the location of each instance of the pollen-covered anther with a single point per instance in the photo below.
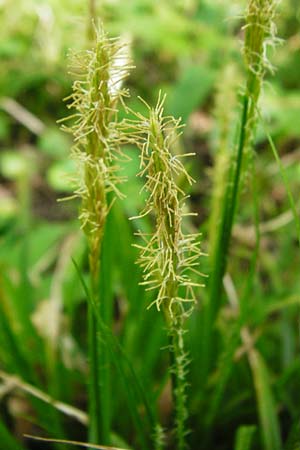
(168, 257)
(97, 136)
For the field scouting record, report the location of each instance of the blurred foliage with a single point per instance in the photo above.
(183, 48)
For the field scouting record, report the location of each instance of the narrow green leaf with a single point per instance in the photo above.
(244, 437)
(134, 391)
(265, 402)
(219, 258)
(225, 365)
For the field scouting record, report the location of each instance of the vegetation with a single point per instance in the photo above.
(155, 305)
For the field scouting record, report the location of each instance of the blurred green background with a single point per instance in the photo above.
(190, 49)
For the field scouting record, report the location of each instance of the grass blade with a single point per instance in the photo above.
(134, 391)
(244, 437)
(266, 403)
(219, 261)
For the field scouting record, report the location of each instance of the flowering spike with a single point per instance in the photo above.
(168, 256)
(260, 33)
(96, 93)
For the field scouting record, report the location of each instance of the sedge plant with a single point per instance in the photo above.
(96, 150)
(168, 256)
(169, 260)
(259, 32)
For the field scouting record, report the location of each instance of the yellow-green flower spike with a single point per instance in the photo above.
(169, 256)
(96, 94)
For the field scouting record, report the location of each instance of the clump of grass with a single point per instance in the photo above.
(97, 91)
(168, 256)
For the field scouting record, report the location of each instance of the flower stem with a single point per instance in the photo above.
(178, 363)
(259, 33)
(169, 257)
(96, 149)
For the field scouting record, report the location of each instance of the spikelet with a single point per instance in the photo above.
(260, 34)
(168, 256)
(96, 150)
(260, 31)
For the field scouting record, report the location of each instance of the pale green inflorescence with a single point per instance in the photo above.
(260, 34)
(96, 94)
(168, 256)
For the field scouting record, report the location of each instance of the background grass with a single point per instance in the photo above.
(248, 394)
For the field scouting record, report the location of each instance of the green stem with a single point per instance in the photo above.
(178, 375)
(99, 387)
(94, 398)
(106, 311)
(226, 360)
(222, 247)
(178, 363)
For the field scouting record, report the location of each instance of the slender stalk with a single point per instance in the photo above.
(178, 368)
(259, 33)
